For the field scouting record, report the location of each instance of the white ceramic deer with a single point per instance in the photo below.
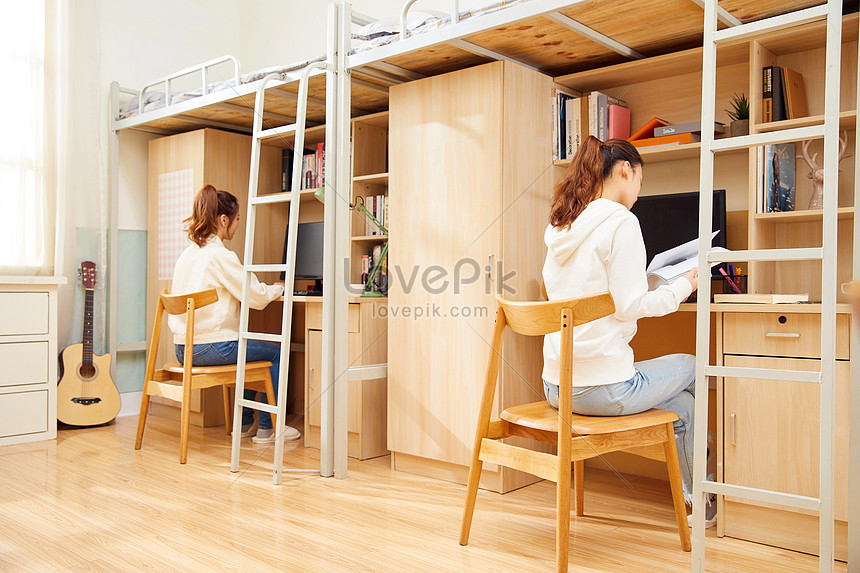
(817, 172)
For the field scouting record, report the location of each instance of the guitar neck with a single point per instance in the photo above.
(88, 328)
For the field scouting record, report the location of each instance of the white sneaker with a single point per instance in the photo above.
(710, 512)
(248, 430)
(267, 436)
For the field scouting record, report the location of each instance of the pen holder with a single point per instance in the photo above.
(739, 280)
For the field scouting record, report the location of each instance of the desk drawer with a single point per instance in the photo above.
(776, 334)
(23, 313)
(313, 316)
(23, 363)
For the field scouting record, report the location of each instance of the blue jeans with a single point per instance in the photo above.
(667, 383)
(221, 353)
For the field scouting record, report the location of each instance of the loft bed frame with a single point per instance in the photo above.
(555, 37)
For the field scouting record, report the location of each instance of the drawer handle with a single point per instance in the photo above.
(782, 334)
(311, 378)
(732, 424)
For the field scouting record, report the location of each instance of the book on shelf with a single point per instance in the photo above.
(761, 298)
(795, 94)
(619, 122)
(320, 162)
(773, 94)
(672, 264)
(767, 94)
(559, 124)
(647, 130)
(286, 169)
(677, 139)
(779, 177)
(689, 127)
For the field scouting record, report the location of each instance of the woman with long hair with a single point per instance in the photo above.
(595, 245)
(207, 263)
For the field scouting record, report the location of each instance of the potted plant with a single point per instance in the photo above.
(739, 114)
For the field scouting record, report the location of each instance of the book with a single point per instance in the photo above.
(677, 139)
(559, 123)
(779, 108)
(286, 169)
(670, 265)
(320, 182)
(761, 298)
(779, 177)
(602, 116)
(619, 122)
(647, 130)
(571, 110)
(689, 127)
(767, 94)
(795, 94)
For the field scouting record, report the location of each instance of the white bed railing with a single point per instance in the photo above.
(404, 31)
(204, 71)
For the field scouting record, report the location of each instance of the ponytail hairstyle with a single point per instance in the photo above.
(209, 204)
(583, 181)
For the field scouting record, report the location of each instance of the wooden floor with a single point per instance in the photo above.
(89, 502)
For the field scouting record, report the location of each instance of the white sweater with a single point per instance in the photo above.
(215, 266)
(602, 251)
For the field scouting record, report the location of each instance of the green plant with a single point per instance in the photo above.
(740, 107)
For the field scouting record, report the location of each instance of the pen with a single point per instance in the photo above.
(731, 270)
(731, 282)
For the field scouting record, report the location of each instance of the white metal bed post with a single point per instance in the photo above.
(113, 222)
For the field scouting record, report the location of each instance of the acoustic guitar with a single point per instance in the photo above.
(86, 394)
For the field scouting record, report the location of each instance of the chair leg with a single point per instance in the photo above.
(228, 419)
(471, 497)
(671, 453)
(141, 417)
(185, 419)
(271, 398)
(562, 516)
(579, 487)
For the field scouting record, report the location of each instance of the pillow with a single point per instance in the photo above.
(391, 26)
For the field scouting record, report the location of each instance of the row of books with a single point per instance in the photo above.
(776, 185)
(575, 118)
(380, 281)
(378, 207)
(783, 95)
(313, 168)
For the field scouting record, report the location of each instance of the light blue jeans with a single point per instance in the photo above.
(221, 353)
(667, 383)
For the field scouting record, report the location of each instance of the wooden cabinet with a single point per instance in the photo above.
(470, 194)
(28, 352)
(367, 398)
(771, 429)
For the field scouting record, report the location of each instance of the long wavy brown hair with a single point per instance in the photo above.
(209, 204)
(583, 181)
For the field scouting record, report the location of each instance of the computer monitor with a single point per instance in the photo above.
(673, 219)
(309, 251)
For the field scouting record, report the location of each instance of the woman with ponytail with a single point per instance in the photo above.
(594, 245)
(207, 263)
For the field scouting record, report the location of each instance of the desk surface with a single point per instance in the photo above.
(358, 299)
(807, 308)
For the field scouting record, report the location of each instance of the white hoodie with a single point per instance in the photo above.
(602, 251)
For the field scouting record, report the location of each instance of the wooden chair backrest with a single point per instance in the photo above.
(178, 303)
(539, 318)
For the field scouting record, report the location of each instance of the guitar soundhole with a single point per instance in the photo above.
(87, 371)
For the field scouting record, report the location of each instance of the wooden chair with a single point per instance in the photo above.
(649, 434)
(176, 381)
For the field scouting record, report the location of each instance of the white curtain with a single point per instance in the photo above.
(27, 231)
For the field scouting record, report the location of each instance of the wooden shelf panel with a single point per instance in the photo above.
(666, 153)
(847, 120)
(304, 194)
(375, 178)
(803, 215)
(370, 238)
(378, 119)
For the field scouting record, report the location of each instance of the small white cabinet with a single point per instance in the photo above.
(28, 359)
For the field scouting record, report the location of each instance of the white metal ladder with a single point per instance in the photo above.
(255, 201)
(829, 130)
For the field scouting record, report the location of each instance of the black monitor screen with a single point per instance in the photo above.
(309, 251)
(673, 219)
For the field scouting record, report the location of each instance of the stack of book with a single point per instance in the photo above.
(658, 133)
(776, 183)
(313, 168)
(378, 207)
(575, 118)
(783, 95)
(368, 261)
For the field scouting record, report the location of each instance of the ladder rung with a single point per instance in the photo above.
(764, 374)
(254, 405)
(277, 131)
(771, 24)
(283, 197)
(769, 138)
(368, 372)
(767, 255)
(266, 268)
(768, 496)
(262, 336)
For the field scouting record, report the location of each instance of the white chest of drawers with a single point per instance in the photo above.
(28, 359)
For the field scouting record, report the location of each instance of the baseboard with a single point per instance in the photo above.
(129, 404)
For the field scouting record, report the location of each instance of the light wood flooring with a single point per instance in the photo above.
(89, 502)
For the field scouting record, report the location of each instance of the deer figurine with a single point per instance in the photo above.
(817, 172)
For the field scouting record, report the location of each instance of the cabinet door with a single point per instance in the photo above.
(445, 188)
(313, 347)
(772, 437)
